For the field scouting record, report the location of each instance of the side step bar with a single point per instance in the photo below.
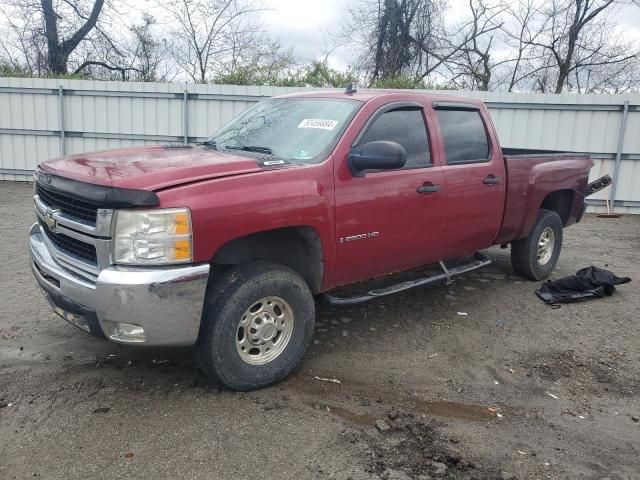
(446, 276)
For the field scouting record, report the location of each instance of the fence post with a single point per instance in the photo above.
(61, 119)
(616, 169)
(185, 119)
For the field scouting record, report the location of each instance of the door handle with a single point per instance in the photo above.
(428, 187)
(491, 179)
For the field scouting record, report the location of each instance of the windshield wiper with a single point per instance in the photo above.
(251, 148)
(207, 143)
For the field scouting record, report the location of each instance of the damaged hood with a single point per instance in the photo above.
(153, 168)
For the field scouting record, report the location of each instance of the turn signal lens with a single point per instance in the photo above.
(182, 223)
(182, 250)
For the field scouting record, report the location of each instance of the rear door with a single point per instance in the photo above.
(474, 176)
(388, 221)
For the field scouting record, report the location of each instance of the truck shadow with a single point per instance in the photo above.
(338, 326)
(336, 330)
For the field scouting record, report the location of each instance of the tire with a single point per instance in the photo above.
(233, 325)
(526, 257)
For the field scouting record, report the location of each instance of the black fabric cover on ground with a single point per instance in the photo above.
(587, 283)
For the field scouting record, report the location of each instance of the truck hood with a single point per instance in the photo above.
(152, 168)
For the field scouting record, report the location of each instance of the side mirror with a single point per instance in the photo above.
(378, 155)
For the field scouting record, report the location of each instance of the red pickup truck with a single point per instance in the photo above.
(224, 244)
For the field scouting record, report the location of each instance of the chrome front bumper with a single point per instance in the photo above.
(166, 302)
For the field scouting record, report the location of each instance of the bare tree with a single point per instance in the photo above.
(473, 61)
(139, 55)
(265, 63)
(543, 45)
(55, 37)
(22, 45)
(146, 55)
(89, 37)
(395, 37)
(574, 33)
(408, 37)
(393, 46)
(209, 33)
(59, 48)
(525, 45)
(519, 30)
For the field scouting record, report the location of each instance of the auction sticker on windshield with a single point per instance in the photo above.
(318, 123)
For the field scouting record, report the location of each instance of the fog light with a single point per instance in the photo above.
(125, 332)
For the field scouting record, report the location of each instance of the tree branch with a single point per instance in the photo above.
(122, 70)
(69, 45)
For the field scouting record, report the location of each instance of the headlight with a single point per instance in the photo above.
(153, 237)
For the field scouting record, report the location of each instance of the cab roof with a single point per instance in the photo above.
(366, 95)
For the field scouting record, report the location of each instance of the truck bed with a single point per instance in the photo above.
(531, 176)
(517, 153)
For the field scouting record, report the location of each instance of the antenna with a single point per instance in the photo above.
(351, 88)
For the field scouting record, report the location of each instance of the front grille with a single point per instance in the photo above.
(69, 205)
(70, 245)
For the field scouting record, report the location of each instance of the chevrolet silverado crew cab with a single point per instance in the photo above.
(224, 244)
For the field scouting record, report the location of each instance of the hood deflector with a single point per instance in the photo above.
(101, 195)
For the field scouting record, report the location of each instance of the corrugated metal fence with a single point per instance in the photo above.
(41, 119)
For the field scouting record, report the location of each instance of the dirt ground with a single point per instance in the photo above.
(400, 388)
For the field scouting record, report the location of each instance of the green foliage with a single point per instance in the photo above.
(316, 74)
(146, 51)
(69, 76)
(397, 81)
(250, 75)
(277, 73)
(408, 83)
(8, 70)
(267, 64)
(319, 74)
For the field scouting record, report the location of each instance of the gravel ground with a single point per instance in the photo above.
(512, 389)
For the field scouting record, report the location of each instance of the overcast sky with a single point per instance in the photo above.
(308, 26)
(301, 23)
(312, 26)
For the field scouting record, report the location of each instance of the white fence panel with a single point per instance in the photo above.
(46, 118)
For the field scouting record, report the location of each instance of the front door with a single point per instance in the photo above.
(389, 220)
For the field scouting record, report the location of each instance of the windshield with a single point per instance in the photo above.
(299, 130)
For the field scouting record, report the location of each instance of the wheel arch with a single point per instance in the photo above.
(561, 202)
(296, 247)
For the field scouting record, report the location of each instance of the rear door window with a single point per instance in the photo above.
(465, 138)
(404, 126)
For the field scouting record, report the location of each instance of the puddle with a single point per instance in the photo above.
(455, 410)
(359, 419)
(439, 409)
(331, 392)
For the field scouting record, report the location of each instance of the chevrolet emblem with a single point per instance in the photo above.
(49, 220)
(43, 177)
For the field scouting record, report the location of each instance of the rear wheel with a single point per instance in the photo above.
(257, 324)
(535, 256)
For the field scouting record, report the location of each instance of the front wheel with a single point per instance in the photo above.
(257, 324)
(535, 256)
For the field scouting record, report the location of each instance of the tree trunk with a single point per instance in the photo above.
(57, 61)
(562, 77)
(58, 53)
(565, 65)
